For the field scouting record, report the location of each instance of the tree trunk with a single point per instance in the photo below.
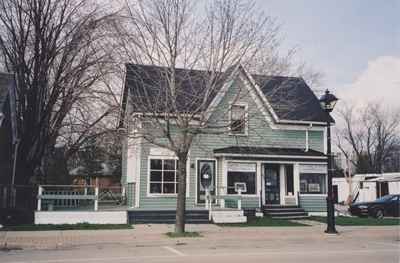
(181, 199)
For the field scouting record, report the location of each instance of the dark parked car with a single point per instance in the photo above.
(388, 205)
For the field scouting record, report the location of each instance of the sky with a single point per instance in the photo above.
(354, 43)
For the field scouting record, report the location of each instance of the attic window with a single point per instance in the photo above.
(238, 119)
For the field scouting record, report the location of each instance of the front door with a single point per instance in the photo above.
(205, 166)
(272, 184)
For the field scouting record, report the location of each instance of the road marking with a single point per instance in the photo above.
(175, 251)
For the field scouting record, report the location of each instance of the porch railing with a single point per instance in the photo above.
(79, 197)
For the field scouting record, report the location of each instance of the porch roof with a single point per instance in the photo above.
(268, 151)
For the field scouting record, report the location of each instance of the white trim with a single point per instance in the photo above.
(325, 141)
(268, 156)
(197, 176)
(282, 183)
(318, 195)
(307, 142)
(259, 181)
(296, 181)
(138, 173)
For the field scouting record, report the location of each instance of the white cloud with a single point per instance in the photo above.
(379, 82)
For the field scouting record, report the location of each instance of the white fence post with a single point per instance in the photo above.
(240, 200)
(96, 200)
(123, 192)
(39, 198)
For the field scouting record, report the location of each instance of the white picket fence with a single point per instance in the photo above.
(78, 197)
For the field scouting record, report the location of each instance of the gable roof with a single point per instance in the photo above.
(290, 98)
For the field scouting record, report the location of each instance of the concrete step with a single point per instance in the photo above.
(284, 212)
(236, 219)
(228, 216)
(227, 213)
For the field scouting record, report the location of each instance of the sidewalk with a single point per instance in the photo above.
(140, 235)
(154, 235)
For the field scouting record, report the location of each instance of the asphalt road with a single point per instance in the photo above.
(352, 245)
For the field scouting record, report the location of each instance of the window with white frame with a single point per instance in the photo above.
(163, 177)
(242, 173)
(238, 120)
(312, 183)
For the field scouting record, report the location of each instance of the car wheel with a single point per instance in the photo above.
(379, 213)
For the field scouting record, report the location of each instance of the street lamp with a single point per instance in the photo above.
(328, 102)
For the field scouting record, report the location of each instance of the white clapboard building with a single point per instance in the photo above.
(367, 187)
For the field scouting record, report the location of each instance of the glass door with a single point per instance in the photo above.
(272, 184)
(205, 166)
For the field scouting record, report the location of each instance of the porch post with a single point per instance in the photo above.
(282, 185)
(39, 198)
(224, 184)
(296, 182)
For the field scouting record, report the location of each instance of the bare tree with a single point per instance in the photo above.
(369, 136)
(54, 48)
(210, 44)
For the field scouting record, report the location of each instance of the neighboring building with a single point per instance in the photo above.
(367, 187)
(392, 162)
(8, 128)
(278, 152)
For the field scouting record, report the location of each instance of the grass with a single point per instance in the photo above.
(184, 234)
(80, 226)
(359, 221)
(266, 222)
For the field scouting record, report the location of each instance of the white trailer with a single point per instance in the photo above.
(367, 187)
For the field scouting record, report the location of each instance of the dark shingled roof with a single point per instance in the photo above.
(290, 97)
(269, 151)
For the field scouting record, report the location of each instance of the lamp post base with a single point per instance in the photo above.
(331, 231)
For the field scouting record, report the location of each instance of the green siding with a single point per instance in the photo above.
(259, 134)
(130, 194)
(313, 203)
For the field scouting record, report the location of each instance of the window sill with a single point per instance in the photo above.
(164, 195)
(243, 195)
(324, 195)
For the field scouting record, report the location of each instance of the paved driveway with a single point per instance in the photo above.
(149, 244)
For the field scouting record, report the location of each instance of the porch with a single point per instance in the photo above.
(273, 178)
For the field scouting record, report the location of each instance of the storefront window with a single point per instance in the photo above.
(313, 183)
(242, 173)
